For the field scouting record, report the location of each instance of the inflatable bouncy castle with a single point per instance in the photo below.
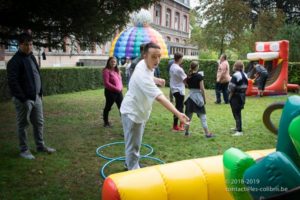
(277, 175)
(127, 43)
(274, 56)
(259, 174)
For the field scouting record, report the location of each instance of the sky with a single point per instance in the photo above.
(194, 3)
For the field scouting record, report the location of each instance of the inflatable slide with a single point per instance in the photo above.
(274, 56)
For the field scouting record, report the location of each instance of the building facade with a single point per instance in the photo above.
(171, 19)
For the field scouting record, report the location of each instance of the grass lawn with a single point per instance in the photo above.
(73, 125)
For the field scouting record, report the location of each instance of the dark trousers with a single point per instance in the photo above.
(179, 105)
(237, 105)
(111, 98)
(221, 88)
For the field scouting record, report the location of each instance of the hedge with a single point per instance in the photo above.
(72, 79)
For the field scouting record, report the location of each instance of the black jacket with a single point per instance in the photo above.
(20, 77)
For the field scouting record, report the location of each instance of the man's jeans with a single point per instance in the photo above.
(221, 88)
(30, 111)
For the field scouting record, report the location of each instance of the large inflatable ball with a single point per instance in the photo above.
(127, 43)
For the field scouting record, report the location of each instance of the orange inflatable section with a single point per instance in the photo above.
(195, 179)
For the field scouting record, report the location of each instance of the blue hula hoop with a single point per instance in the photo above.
(102, 173)
(120, 158)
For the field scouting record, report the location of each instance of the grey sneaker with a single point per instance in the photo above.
(27, 155)
(46, 149)
(238, 133)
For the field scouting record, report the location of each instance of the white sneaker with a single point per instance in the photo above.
(238, 133)
(27, 155)
(233, 129)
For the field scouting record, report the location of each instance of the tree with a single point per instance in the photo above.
(268, 25)
(291, 32)
(225, 22)
(290, 8)
(50, 21)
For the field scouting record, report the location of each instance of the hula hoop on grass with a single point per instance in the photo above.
(120, 158)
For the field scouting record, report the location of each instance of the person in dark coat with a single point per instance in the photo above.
(25, 85)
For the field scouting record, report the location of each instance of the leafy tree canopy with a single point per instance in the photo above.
(51, 20)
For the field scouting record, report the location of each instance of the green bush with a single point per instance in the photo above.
(294, 73)
(71, 79)
(61, 80)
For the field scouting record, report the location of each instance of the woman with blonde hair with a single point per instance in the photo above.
(237, 95)
(196, 99)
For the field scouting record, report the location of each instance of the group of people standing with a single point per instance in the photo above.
(196, 99)
(135, 108)
(143, 89)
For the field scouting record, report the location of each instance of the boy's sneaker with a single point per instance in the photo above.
(238, 133)
(27, 155)
(177, 128)
(107, 125)
(210, 135)
(46, 149)
(187, 134)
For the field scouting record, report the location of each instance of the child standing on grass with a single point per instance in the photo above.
(177, 77)
(237, 95)
(137, 104)
(196, 99)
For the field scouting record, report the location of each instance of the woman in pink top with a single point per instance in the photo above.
(112, 82)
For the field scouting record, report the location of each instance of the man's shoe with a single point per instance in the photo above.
(238, 133)
(217, 102)
(46, 149)
(27, 155)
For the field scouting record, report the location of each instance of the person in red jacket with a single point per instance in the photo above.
(112, 81)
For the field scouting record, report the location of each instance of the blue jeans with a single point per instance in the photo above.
(221, 88)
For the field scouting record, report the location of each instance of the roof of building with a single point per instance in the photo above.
(185, 3)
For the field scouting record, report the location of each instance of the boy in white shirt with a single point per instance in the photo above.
(137, 103)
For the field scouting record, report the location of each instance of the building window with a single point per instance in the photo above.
(184, 23)
(168, 39)
(176, 40)
(157, 10)
(168, 18)
(184, 41)
(176, 21)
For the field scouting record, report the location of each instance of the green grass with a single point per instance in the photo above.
(73, 125)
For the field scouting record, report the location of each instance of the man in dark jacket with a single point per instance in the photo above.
(26, 88)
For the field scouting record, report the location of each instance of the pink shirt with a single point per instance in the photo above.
(112, 80)
(223, 75)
